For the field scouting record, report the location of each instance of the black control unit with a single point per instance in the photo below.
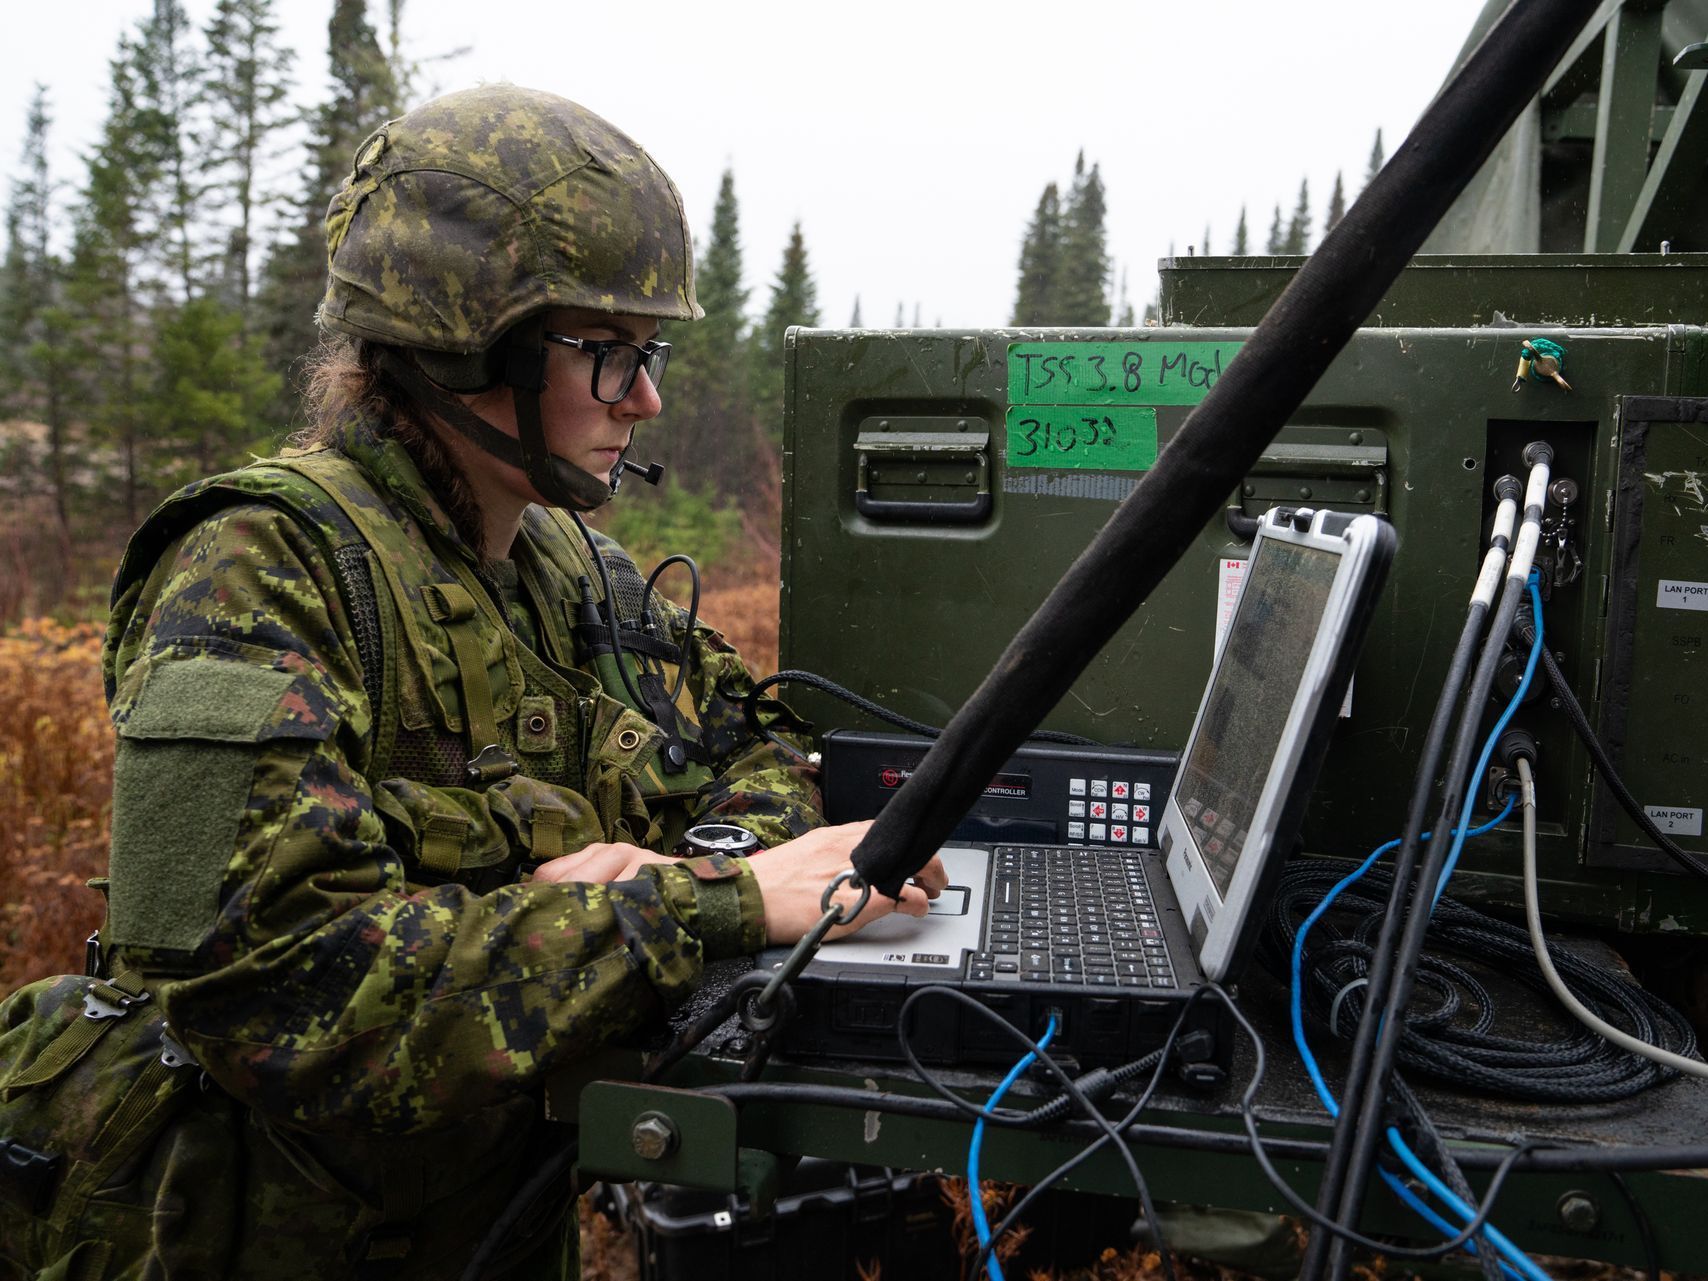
(1046, 794)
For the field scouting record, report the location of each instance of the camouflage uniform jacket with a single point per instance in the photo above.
(322, 893)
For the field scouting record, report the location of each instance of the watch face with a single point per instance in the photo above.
(721, 838)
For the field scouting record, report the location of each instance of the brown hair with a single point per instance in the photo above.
(343, 378)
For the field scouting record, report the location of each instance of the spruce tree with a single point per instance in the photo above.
(1277, 237)
(33, 362)
(1336, 205)
(114, 239)
(1377, 160)
(21, 277)
(1124, 317)
(1082, 290)
(365, 92)
(209, 384)
(1040, 261)
(248, 87)
(168, 89)
(1242, 244)
(709, 351)
(711, 379)
(364, 96)
(1298, 228)
(794, 301)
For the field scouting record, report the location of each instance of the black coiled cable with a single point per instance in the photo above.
(1454, 1041)
(793, 676)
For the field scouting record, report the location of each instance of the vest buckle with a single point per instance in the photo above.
(489, 765)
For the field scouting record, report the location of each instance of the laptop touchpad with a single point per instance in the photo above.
(951, 902)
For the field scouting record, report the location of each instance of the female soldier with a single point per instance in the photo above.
(362, 689)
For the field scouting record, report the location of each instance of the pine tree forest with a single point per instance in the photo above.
(162, 299)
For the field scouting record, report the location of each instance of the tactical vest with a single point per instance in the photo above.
(457, 700)
(105, 1133)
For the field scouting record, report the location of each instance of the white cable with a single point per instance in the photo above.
(1488, 579)
(1494, 560)
(1530, 532)
(1533, 916)
(1506, 516)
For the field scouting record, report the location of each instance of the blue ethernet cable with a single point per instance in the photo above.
(1520, 1261)
(1494, 737)
(1314, 1071)
(980, 1223)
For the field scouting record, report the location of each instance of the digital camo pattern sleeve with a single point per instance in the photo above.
(251, 869)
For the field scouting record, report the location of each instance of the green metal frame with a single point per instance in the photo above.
(1538, 1206)
(1616, 90)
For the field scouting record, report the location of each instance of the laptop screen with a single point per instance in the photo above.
(1246, 708)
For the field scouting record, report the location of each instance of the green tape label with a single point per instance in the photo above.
(1121, 438)
(1115, 373)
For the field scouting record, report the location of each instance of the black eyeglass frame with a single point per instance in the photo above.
(653, 356)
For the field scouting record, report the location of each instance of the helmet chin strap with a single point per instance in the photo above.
(560, 482)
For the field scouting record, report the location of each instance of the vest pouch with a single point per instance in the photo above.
(115, 1158)
(449, 833)
(621, 744)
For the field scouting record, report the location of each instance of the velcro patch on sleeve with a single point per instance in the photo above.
(188, 743)
(176, 808)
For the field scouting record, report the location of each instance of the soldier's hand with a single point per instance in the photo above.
(599, 862)
(792, 877)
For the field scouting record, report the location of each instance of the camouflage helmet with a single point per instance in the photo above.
(466, 220)
(487, 206)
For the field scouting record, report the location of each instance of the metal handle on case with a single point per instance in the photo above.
(968, 512)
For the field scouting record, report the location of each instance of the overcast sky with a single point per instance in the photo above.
(910, 140)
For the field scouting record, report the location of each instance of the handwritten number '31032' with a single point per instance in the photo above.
(1086, 433)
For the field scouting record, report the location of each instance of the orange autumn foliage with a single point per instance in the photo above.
(56, 770)
(56, 766)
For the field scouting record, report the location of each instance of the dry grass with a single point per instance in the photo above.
(740, 595)
(56, 765)
(747, 616)
(47, 572)
(607, 1252)
(998, 1199)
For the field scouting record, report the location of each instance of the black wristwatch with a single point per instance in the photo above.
(720, 838)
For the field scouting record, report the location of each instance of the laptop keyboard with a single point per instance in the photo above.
(1071, 914)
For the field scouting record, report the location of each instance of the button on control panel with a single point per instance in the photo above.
(1128, 820)
(1044, 794)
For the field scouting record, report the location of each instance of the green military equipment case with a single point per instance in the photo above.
(937, 484)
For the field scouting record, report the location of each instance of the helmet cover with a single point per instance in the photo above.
(487, 206)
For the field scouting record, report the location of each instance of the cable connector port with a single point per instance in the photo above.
(1193, 1065)
(1201, 1076)
(1503, 778)
(1508, 486)
(1516, 743)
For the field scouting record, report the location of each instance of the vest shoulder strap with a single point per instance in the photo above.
(297, 489)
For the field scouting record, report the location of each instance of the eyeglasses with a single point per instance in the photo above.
(615, 363)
